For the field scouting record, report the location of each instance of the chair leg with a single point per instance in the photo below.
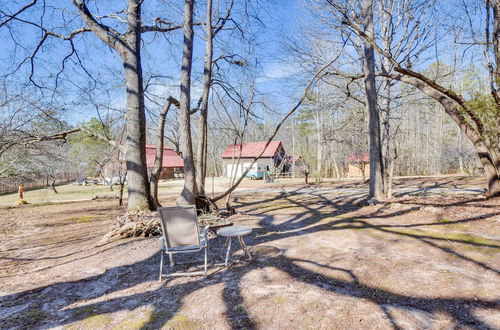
(161, 264)
(172, 261)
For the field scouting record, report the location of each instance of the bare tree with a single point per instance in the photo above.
(188, 193)
(211, 32)
(128, 46)
(376, 182)
(201, 153)
(160, 136)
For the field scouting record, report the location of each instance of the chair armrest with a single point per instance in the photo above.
(204, 231)
(204, 236)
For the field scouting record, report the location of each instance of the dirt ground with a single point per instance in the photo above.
(323, 260)
(169, 188)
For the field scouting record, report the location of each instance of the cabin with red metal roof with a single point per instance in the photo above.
(172, 163)
(238, 157)
(359, 165)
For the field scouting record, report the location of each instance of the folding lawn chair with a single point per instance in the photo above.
(181, 235)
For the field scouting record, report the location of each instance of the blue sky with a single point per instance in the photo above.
(278, 76)
(275, 71)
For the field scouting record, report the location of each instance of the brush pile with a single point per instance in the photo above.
(135, 224)
(147, 223)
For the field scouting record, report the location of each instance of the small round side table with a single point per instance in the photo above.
(234, 231)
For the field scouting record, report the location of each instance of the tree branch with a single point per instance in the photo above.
(11, 17)
(398, 68)
(108, 35)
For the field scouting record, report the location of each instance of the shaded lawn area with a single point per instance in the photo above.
(323, 260)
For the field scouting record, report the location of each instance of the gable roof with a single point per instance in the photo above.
(359, 157)
(251, 150)
(170, 157)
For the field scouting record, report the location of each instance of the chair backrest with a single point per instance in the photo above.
(180, 226)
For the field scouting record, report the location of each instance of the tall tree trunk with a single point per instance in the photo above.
(128, 46)
(439, 148)
(376, 180)
(201, 154)
(386, 143)
(139, 197)
(188, 193)
(494, 70)
(493, 171)
(320, 147)
(455, 105)
(386, 8)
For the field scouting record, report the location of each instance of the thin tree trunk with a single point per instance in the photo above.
(387, 157)
(120, 198)
(122, 188)
(335, 170)
(426, 138)
(376, 180)
(390, 179)
(362, 167)
(386, 138)
(201, 154)
(188, 193)
(53, 184)
(320, 147)
(156, 170)
(440, 143)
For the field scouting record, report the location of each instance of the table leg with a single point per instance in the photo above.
(224, 246)
(244, 247)
(228, 249)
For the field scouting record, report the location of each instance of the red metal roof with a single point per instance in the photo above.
(170, 157)
(359, 157)
(251, 150)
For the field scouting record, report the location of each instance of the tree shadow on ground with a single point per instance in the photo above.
(320, 214)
